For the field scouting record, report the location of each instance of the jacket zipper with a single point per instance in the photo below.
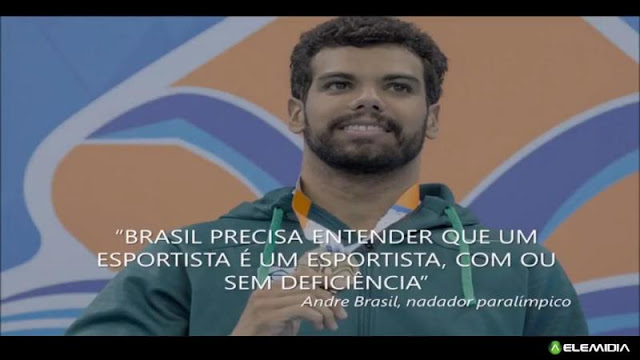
(362, 310)
(368, 310)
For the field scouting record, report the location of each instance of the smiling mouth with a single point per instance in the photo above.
(364, 128)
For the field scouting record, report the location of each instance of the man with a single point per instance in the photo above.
(365, 95)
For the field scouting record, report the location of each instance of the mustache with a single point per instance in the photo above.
(385, 121)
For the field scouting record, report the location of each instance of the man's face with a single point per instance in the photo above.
(366, 109)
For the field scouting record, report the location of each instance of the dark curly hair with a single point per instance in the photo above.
(363, 32)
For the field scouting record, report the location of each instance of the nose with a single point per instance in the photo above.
(368, 100)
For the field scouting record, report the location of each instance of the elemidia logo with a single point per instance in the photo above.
(556, 348)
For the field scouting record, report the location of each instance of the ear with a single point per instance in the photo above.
(296, 121)
(432, 122)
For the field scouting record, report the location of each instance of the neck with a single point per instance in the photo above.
(359, 201)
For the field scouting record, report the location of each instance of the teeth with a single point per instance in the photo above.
(364, 128)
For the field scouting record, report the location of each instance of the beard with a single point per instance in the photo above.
(367, 158)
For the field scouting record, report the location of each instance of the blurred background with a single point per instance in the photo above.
(158, 122)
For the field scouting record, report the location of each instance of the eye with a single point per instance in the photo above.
(399, 87)
(337, 85)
